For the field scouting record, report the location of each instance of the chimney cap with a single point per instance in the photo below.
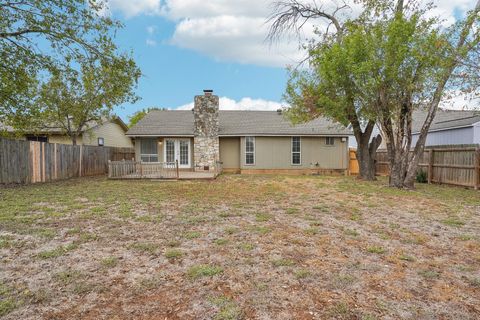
(208, 91)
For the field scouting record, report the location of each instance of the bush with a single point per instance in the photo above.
(422, 176)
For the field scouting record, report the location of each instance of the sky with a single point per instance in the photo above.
(185, 46)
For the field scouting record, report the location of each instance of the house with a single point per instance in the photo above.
(449, 127)
(110, 133)
(241, 141)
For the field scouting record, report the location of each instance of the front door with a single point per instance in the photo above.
(177, 150)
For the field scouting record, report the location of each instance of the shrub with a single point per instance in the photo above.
(422, 176)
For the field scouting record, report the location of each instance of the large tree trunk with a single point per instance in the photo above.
(366, 149)
(398, 168)
(366, 156)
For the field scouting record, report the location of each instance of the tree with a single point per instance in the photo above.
(72, 99)
(139, 115)
(40, 36)
(386, 63)
(413, 62)
(327, 88)
(420, 61)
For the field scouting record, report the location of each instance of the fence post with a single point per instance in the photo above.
(430, 166)
(55, 175)
(476, 174)
(141, 169)
(109, 168)
(176, 166)
(80, 164)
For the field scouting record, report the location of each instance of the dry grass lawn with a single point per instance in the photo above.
(240, 247)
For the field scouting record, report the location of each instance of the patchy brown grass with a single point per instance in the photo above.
(267, 247)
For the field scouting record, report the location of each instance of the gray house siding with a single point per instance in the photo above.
(476, 133)
(448, 137)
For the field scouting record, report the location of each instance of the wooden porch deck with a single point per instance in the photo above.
(182, 175)
(156, 171)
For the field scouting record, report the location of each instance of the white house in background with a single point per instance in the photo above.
(450, 127)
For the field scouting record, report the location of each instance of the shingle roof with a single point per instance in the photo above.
(233, 123)
(446, 119)
(58, 130)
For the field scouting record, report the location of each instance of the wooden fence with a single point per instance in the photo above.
(455, 166)
(353, 163)
(26, 162)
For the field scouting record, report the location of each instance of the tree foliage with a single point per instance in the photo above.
(380, 67)
(42, 41)
(327, 87)
(416, 60)
(70, 100)
(139, 115)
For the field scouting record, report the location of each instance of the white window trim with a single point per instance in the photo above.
(176, 155)
(291, 151)
(254, 150)
(330, 145)
(164, 146)
(148, 154)
(189, 163)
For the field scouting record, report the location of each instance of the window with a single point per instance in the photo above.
(184, 152)
(101, 142)
(37, 138)
(250, 150)
(148, 150)
(296, 151)
(329, 141)
(169, 151)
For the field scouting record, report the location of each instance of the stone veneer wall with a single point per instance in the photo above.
(206, 149)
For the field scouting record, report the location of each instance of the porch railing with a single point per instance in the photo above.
(138, 170)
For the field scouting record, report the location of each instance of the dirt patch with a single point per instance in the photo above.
(253, 247)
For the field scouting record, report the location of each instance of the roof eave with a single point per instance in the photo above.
(131, 135)
(450, 128)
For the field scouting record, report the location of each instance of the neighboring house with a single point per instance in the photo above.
(450, 127)
(110, 133)
(352, 142)
(243, 141)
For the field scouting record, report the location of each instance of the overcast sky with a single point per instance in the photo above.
(185, 46)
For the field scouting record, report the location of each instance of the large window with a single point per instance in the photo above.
(329, 141)
(250, 150)
(296, 151)
(148, 150)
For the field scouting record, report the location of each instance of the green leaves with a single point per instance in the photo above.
(139, 115)
(71, 98)
(44, 43)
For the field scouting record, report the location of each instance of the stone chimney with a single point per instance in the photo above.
(206, 150)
